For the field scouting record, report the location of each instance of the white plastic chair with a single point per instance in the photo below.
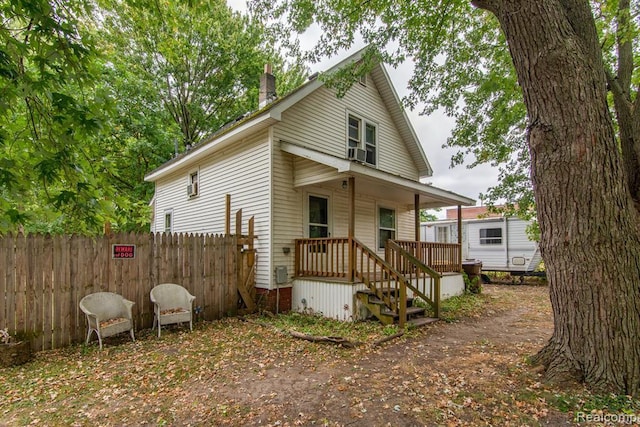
(107, 314)
(171, 304)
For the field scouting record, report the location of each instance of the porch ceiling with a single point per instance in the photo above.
(373, 182)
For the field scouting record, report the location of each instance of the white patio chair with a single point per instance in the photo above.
(171, 304)
(107, 314)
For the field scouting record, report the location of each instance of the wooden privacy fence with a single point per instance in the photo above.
(43, 278)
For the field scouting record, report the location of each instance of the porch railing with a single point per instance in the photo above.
(422, 281)
(441, 257)
(388, 284)
(329, 257)
(416, 266)
(323, 257)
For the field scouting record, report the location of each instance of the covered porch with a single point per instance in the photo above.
(391, 265)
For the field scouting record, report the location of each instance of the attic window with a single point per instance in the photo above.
(362, 137)
(193, 184)
(363, 80)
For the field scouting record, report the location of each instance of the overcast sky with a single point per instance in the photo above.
(432, 130)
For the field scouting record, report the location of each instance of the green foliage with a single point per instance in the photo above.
(50, 115)
(94, 99)
(457, 307)
(318, 325)
(587, 403)
(199, 60)
(428, 216)
(472, 286)
(611, 403)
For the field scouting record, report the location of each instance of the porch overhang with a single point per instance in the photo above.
(372, 181)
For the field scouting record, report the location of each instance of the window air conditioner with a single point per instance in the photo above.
(358, 154)
(192, 189)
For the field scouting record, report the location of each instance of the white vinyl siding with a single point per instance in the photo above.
(319, 122)
(308, 172)
(242, 171)
(286, 215)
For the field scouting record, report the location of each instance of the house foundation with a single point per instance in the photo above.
(274, 300)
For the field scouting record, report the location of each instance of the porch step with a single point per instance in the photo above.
(377, 307)
(373, 298)
(411, 312)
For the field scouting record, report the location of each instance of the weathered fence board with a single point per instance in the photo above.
(43, 278)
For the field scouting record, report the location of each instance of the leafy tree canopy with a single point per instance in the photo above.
(50, 176)
(202, 59)
(97, 94)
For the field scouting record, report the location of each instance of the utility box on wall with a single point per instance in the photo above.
(282, 276)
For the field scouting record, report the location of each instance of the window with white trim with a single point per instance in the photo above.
(362, 140)
(193, 184)
(491, 236)
(168, 221)
(386, 226)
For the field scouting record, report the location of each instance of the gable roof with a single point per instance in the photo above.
(272, 113)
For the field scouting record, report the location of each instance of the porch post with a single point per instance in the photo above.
(460, 236)
(351, 228)
(416, 203)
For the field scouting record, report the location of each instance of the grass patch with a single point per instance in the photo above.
(317, 325)
(461, 306)
(612, 403)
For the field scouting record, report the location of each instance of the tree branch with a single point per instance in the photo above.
(625, 46)
(493, 6)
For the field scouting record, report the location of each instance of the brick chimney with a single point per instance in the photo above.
(267, 87)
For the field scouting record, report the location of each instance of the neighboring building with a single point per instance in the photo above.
(308, 165)
(500, 242)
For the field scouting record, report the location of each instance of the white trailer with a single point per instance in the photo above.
(501, 243)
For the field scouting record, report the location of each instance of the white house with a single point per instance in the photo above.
(318, 173)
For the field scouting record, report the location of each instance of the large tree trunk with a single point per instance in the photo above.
(589, 227)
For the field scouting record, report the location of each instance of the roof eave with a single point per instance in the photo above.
(220, 141)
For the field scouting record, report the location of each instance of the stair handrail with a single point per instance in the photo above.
(399, 304)
(434, 300)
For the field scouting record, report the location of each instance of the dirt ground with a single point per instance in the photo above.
(464, 373)
(470, 372)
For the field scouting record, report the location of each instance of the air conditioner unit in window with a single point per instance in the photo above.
(358, 154)
(192, 189)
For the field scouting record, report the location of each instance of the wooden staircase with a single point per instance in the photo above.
(388, 282)
(416, 316)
